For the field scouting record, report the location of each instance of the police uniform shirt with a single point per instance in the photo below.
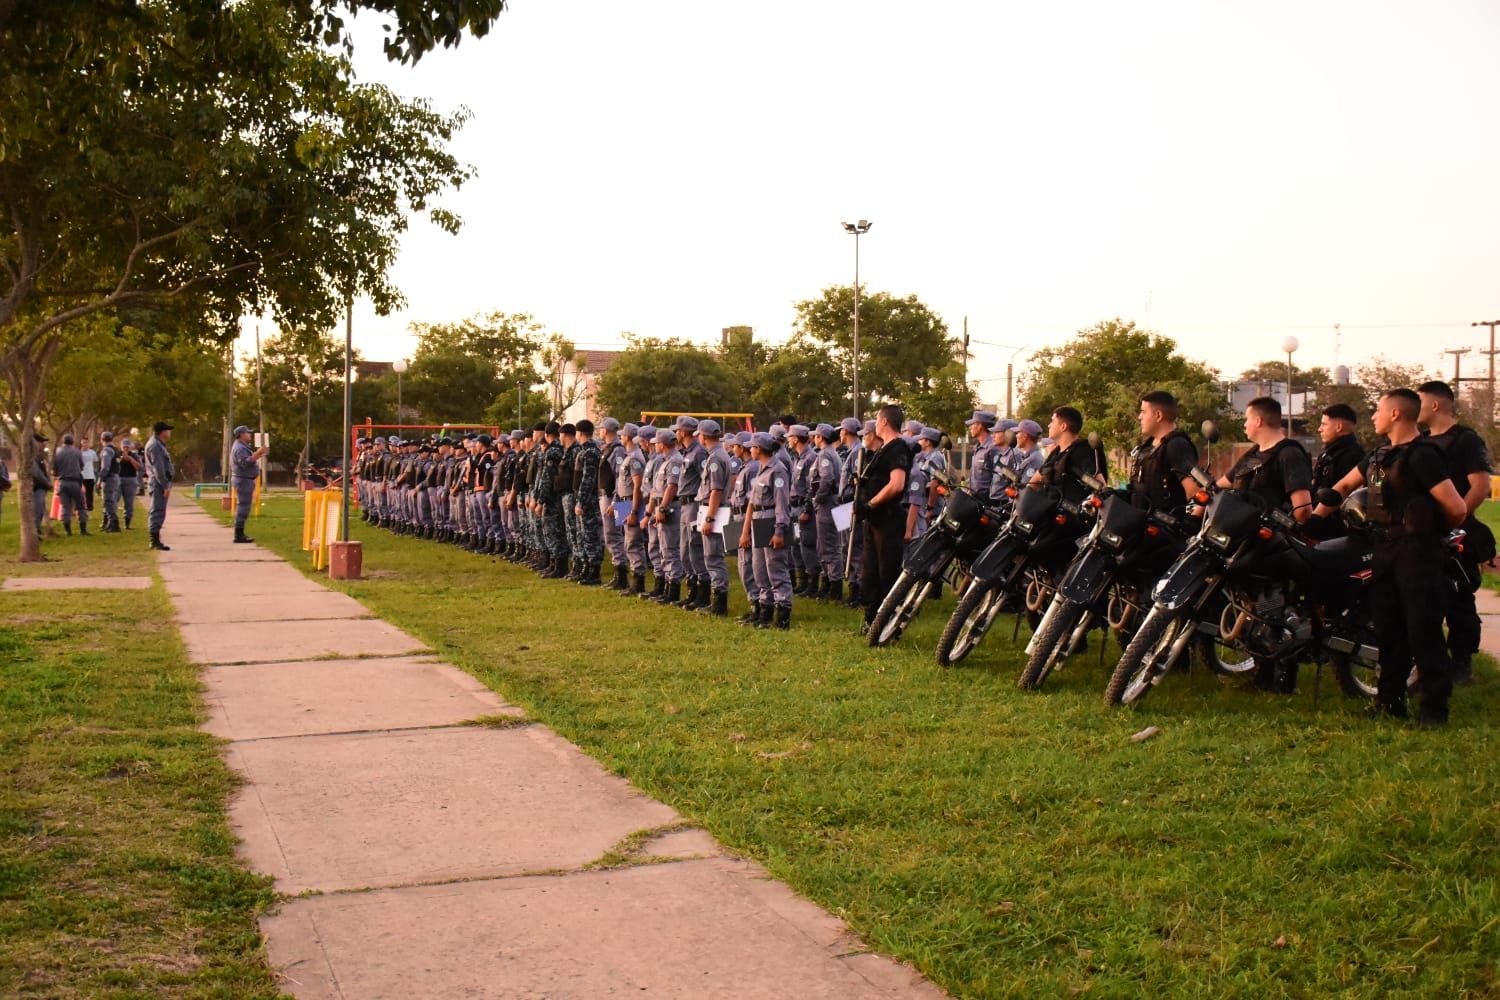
(1065, 467)
(770, 490)
(1159, 469)
(801, 469)
(546, 479)
(825, 478)
(631, 465)
(982, 468)
(586, 469)
(849, 472)
(739, 495)
(1404, 476)
(917, 482)
(245, 467)
(1274, 475)
(715, 474)
(690, 472)
(1335, 461)
(671, 472)
(1465, 453)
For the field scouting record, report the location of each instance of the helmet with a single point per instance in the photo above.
(1354, 509)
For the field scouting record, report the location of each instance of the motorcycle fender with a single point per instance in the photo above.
(995, 560)
(1087, 576)
(930, 556)
(1180, 585)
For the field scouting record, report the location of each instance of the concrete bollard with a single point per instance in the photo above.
(345, 560)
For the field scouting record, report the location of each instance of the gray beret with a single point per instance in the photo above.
(799, 430)
(1030, 427)
(931, 434)
(849, 425)
(609, 424)
(765, 442)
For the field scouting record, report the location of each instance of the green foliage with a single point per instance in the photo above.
(415, 26)
(802, 379)
(902, 343)
(1274, 373)
(655, 374)
(1104, 371)
(460, 370)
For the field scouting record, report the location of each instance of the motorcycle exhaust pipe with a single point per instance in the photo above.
(1233, 633)
(1037, 594)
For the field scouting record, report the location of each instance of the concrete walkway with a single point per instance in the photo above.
(447, 858)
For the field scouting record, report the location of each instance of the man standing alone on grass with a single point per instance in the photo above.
(67, 466)
(159, 466)
(245, 463)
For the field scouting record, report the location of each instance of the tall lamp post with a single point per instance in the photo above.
(858, 229)
(400, 368)
(1289, 345)
(307, 372)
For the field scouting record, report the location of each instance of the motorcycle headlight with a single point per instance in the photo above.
(1110, 538)
(1024, 527)
(1218, 539)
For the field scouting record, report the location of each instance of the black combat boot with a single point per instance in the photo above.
(720, 606)
(690, 600)
(701, 595)
(637, 585)
(834, 591)
(554, 569)
(240, 538)
(622, 578)
(763, 620)
(853, 600)
(83, 527)
(783, 616)
(657, 591)
(68, 528)
(157, 544)
(673, 593)
(752, 616)
(575, 569)
(799, 582)
(591, 576)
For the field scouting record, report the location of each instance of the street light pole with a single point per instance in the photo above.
(307, 431)
(400, 368)
(1289, 345)
(348, 410)
(858, 229)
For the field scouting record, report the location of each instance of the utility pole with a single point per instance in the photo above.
(966, 350)
(856, 229)
(1491, 323)
(1458, 354)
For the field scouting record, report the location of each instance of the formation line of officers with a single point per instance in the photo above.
(809, 509)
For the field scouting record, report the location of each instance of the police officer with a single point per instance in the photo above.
(109, 481)
(590, 529)
(806, 571)
(548, 503)
(1469, 467)
(881, 505)
(982, 461)
(921, 493)
(1161, 468)
(713, 493)
(41, 481)
(160, 467)
(630, 478)
(823, 485)
(690, 542)
(854, 455)
(652, 453)
(1341, 449)
(244, 463)
(1411, 505)
(67, 467)
(1026, 456)
(739, 505)
(1277, 468)
(767, 532)
(611, 454)
(666, 511)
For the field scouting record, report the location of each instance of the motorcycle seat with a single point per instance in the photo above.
(1341, 556)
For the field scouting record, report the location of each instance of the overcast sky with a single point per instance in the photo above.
(1226, 174)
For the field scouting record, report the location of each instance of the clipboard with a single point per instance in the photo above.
(843, 516)
(622, 511)
(762, 529)
(721, 518)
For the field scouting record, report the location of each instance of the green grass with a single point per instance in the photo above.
(117, 868)
(1008, 844)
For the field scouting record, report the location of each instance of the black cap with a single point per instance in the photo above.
(553, 428)
(569, 429)
(585, 426)
(484, 439)
(159, 426)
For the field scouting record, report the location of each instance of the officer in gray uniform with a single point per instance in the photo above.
(921, 491)
(982, 462)
(1026, 457)
(630, 477)
(807, 574)
(41, 480)
(612, 453)
(652, 454)
(162, 471)
(67, 469)
(713, 493)
(768, 532)
(690, 542)
(739, 500)
(853, 541)
(823, 495)
(244, 465)
(109, 481)
(667, 512)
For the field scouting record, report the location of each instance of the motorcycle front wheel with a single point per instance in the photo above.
(1144, 658)
(898, 609)
(969, 622)
(1051, 643)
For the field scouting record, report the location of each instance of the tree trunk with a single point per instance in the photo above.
(24, 378)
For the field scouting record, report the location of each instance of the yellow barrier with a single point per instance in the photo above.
(320, 523)
(234, 498)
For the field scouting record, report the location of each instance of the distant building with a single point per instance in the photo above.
(575, 385)
(1240, 394)
(373, 369)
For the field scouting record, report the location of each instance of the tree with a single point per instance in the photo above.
(1274, 373)
(797, 378)
(461, 369)
(947, 403)
(902, 343)
(654, 374)
(1104, 371)
(213, 156)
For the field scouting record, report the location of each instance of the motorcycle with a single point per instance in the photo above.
(1249, 581)
(1117, 563)
(943, 554)
(1035, 545)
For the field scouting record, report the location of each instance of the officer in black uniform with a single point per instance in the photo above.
(1412, 504)
(1071, 458)
(1161, 468)
(1341, 449)
(1277, 469)
(1469, 467)
(880, 501)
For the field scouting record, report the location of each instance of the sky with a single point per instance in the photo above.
(1225, 174)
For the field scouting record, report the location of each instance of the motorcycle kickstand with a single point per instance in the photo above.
(1016, 632)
